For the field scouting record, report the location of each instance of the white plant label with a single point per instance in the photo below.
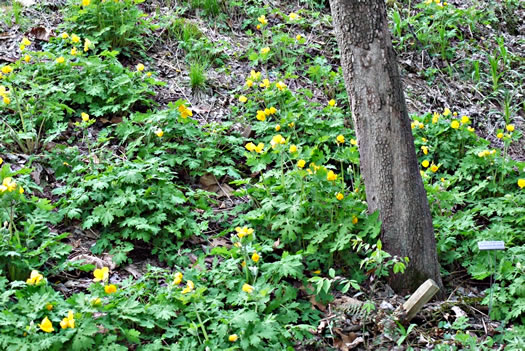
(491, 245)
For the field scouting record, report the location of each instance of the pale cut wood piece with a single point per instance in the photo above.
(420, 297)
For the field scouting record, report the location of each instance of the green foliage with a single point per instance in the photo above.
(197, 75)
(463, 172)
(27, 242)
(132, 200)
(111, 25)
(46, 93)
(199, 309)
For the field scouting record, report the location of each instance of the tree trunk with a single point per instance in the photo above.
(389, 164)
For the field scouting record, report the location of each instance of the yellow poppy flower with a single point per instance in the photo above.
(247, 288)
(101, 275)
(331, 176)
(35, 278)
(110, 289)
(46, 325)
(178, 278)
(185, 112)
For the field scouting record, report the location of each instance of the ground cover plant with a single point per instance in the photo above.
(185, 175)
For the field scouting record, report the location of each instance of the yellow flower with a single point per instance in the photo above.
(353, 142)
(521, 183)
(64, 35)
(293, 149)
(499, 135)
(69, 321)
(25, 42)
(273, 110)
(243, 98)
(60, 60)
(421, 125)
(185, 112)
(247, 288)
(255, 75)
(339, 196)
(434, 168)
(233, 338)
(1, 160)
(49, 307)
(454, 124)
(265, 83)
(293, 16)
(75, 38)
(265, 50)
(86, 2)
(96, 301)
(301, 163)
(140, 67)
(259, 148)
(331, 176)
(291, 124)
(424, 149)
(74, 51)
(149, 74)
(465, 119)
(27, 58)
(250, 146)
(354, 220)
(446, 112)
(6, 100)
(159, 133)
(255, 257)
(262, 20)
(483, 153)
(277, 127)
(249, 83)
(298, 37)
(470, 129)
(189, 287)
(85, 116)
(267, 112)
(277, 140)
(340, 139)
(35, 278)
(258, 27)
(425, 163)
(244, 231)
(280, 85)
(7, 69)
(261, 116)
(20, 190)
(243, 264)
(331, 103)
(178, 278)
(46, 325)
(101, 275)
(435, 117)
(510, 127)
(87, 44)
(110, 289)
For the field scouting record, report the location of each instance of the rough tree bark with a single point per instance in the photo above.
(389, 164)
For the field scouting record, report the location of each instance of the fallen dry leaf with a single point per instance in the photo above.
(40, 33)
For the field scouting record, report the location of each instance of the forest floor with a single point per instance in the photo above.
(438, 74)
